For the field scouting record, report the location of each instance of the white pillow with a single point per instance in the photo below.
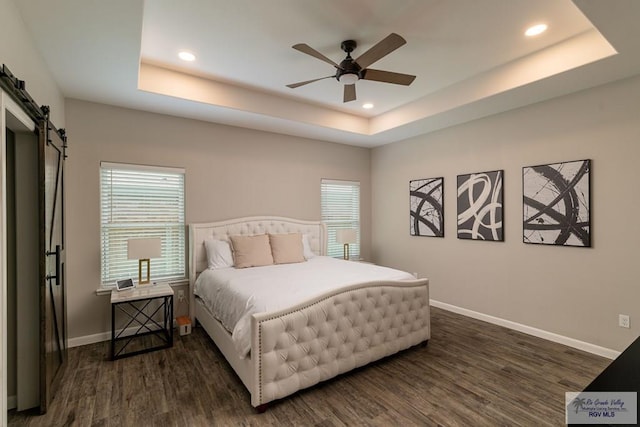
(218, 254)
(306, 247)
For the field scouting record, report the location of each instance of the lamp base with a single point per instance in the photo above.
(346, 251)
(147, 279)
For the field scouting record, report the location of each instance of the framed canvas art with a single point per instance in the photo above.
(556, 204)
(426, 207)
(480, 206)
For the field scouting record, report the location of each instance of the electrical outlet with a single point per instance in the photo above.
(181, 295)
(623, 321)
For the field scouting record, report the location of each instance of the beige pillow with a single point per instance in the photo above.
(251, 251)
(287, 248)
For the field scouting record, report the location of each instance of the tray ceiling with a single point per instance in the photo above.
(471, 58)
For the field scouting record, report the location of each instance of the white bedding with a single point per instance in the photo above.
(233, 295)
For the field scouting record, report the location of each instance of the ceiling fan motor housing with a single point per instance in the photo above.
(348, 65)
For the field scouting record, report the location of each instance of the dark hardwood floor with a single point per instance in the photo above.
(470, 374)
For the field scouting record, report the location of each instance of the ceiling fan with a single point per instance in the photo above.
(350, 71)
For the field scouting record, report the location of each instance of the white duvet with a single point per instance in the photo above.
(233, 295)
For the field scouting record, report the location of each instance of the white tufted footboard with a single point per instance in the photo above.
(298, 347)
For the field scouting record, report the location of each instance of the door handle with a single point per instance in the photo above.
(57, 254)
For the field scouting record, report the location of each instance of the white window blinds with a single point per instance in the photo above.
(340, 204)
(141, 202)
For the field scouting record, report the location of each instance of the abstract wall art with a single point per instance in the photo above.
(480, 206)
(426, 207)
(556, 204)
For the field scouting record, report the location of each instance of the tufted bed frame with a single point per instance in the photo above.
(321, 338)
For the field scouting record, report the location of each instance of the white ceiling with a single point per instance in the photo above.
(470, 58)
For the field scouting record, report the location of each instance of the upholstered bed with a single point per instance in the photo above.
(316, 339)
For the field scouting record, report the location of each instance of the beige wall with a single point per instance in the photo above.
(574, 292)
(19, 54)
(230, 172)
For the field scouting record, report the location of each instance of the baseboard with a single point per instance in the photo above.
(102, 336)
(89, 339)
(550, 336)
(12, 402)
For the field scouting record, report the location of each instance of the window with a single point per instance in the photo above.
(141, 202)
(340, 204)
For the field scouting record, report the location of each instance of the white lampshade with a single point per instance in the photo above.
(144, 248)
(348, 78)
(346, 236)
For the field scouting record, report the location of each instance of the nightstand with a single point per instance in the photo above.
(146, 318)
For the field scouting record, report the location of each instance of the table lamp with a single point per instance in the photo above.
(346, 237)
(143, 250)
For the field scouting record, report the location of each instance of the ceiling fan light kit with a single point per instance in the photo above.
(349, 71)
(348, 79)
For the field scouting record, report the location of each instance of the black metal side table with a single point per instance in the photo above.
(142, 330)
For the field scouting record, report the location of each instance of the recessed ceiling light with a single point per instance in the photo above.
(367, 106)
(535, 30)
(186, 56)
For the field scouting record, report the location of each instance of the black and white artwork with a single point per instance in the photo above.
(556, 204)
(480, 206)
(426, 210)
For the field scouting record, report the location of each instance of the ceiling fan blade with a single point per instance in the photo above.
(349, 93)
(383, 48)
(305, 48)
(295, 85)
(388, 77)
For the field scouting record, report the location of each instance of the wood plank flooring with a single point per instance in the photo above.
(470, 374)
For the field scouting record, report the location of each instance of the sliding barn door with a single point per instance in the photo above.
(53, 309)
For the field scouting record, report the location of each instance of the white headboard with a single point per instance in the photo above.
(221, 230)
